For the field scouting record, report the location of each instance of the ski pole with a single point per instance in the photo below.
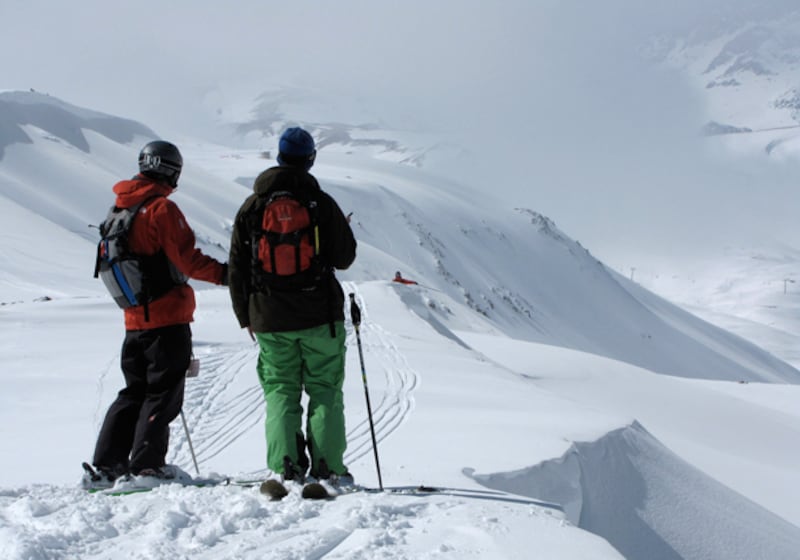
(429, 288)
(189, 440)
(355, 315)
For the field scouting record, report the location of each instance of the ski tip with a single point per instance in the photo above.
(316, 491)
(274, 489)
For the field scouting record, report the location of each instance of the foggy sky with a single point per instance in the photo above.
(566, 116)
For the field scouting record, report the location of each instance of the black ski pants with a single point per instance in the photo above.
(135, 432)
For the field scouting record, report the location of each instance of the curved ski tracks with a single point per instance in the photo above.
(396, 401)
(216, 412)
(226, 401)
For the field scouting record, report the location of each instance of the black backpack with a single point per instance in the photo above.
(285, 243)
(132, 279)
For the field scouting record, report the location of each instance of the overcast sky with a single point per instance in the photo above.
(551, 93)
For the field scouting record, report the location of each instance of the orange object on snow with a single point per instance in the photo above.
(399, 278)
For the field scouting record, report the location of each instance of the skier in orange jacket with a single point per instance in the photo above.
(399, 278)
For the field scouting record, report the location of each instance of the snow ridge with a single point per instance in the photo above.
(649, 503)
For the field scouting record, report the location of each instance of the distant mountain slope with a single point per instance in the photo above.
(356, 128)
(63, 121)
(517, 269)
(65, 159)
(746, 68)
(512, 267)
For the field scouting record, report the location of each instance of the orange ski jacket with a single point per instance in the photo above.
(160, 225)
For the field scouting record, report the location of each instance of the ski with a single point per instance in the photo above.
(128, 485)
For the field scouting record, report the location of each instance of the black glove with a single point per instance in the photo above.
(355, 311)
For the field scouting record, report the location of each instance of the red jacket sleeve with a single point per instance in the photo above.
(178, 241)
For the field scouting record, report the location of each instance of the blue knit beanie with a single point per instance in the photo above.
(296, 147)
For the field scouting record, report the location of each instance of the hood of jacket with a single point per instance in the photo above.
(133, 191)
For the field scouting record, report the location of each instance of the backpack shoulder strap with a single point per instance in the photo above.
(133, 210)
(104, 231)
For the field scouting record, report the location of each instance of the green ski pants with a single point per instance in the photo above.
(289, 363)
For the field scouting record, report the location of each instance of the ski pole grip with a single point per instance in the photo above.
(355, 312)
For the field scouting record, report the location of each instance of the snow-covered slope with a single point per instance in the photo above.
(520, 372)
(507, 429)
(62, 121)
(512, 266)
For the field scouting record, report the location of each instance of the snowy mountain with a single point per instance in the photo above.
(511, 266)
(358, 126)
(550, 396)
(747, 69)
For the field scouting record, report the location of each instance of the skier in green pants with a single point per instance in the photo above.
(288, 238)
(320, 359)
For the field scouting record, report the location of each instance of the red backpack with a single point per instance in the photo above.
(286, 243)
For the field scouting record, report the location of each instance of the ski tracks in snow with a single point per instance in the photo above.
(221, 404)
(396, 401)
(225, 401)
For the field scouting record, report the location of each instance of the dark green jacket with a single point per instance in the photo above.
(274, 311)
